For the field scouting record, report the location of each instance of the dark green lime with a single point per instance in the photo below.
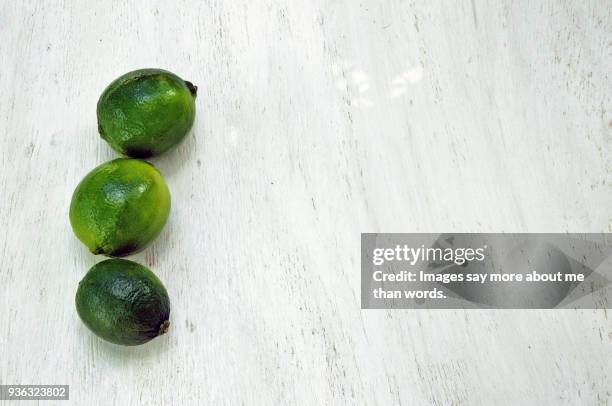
(123, 302)
(146, 112)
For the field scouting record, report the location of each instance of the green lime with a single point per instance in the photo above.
(123, 302)
(146, 112)
(120, 207)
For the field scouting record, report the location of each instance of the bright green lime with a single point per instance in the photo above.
(120, 207)
(146, 112)
(123, 302)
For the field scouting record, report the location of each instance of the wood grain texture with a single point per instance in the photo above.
(316, 121)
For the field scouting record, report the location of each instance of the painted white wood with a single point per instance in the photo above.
(316, 121)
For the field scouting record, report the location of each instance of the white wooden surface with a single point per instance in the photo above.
(317, 120)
